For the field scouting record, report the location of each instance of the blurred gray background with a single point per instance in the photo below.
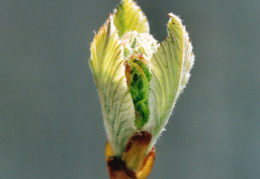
(51, 124)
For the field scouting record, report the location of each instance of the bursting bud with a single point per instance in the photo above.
(138, 81)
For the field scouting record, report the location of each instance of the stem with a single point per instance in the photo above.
(117, 168)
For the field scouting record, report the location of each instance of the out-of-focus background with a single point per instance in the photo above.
(51, 123)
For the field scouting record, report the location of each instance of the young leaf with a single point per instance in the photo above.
(106, 62)
(170, 67)
(128, 16)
